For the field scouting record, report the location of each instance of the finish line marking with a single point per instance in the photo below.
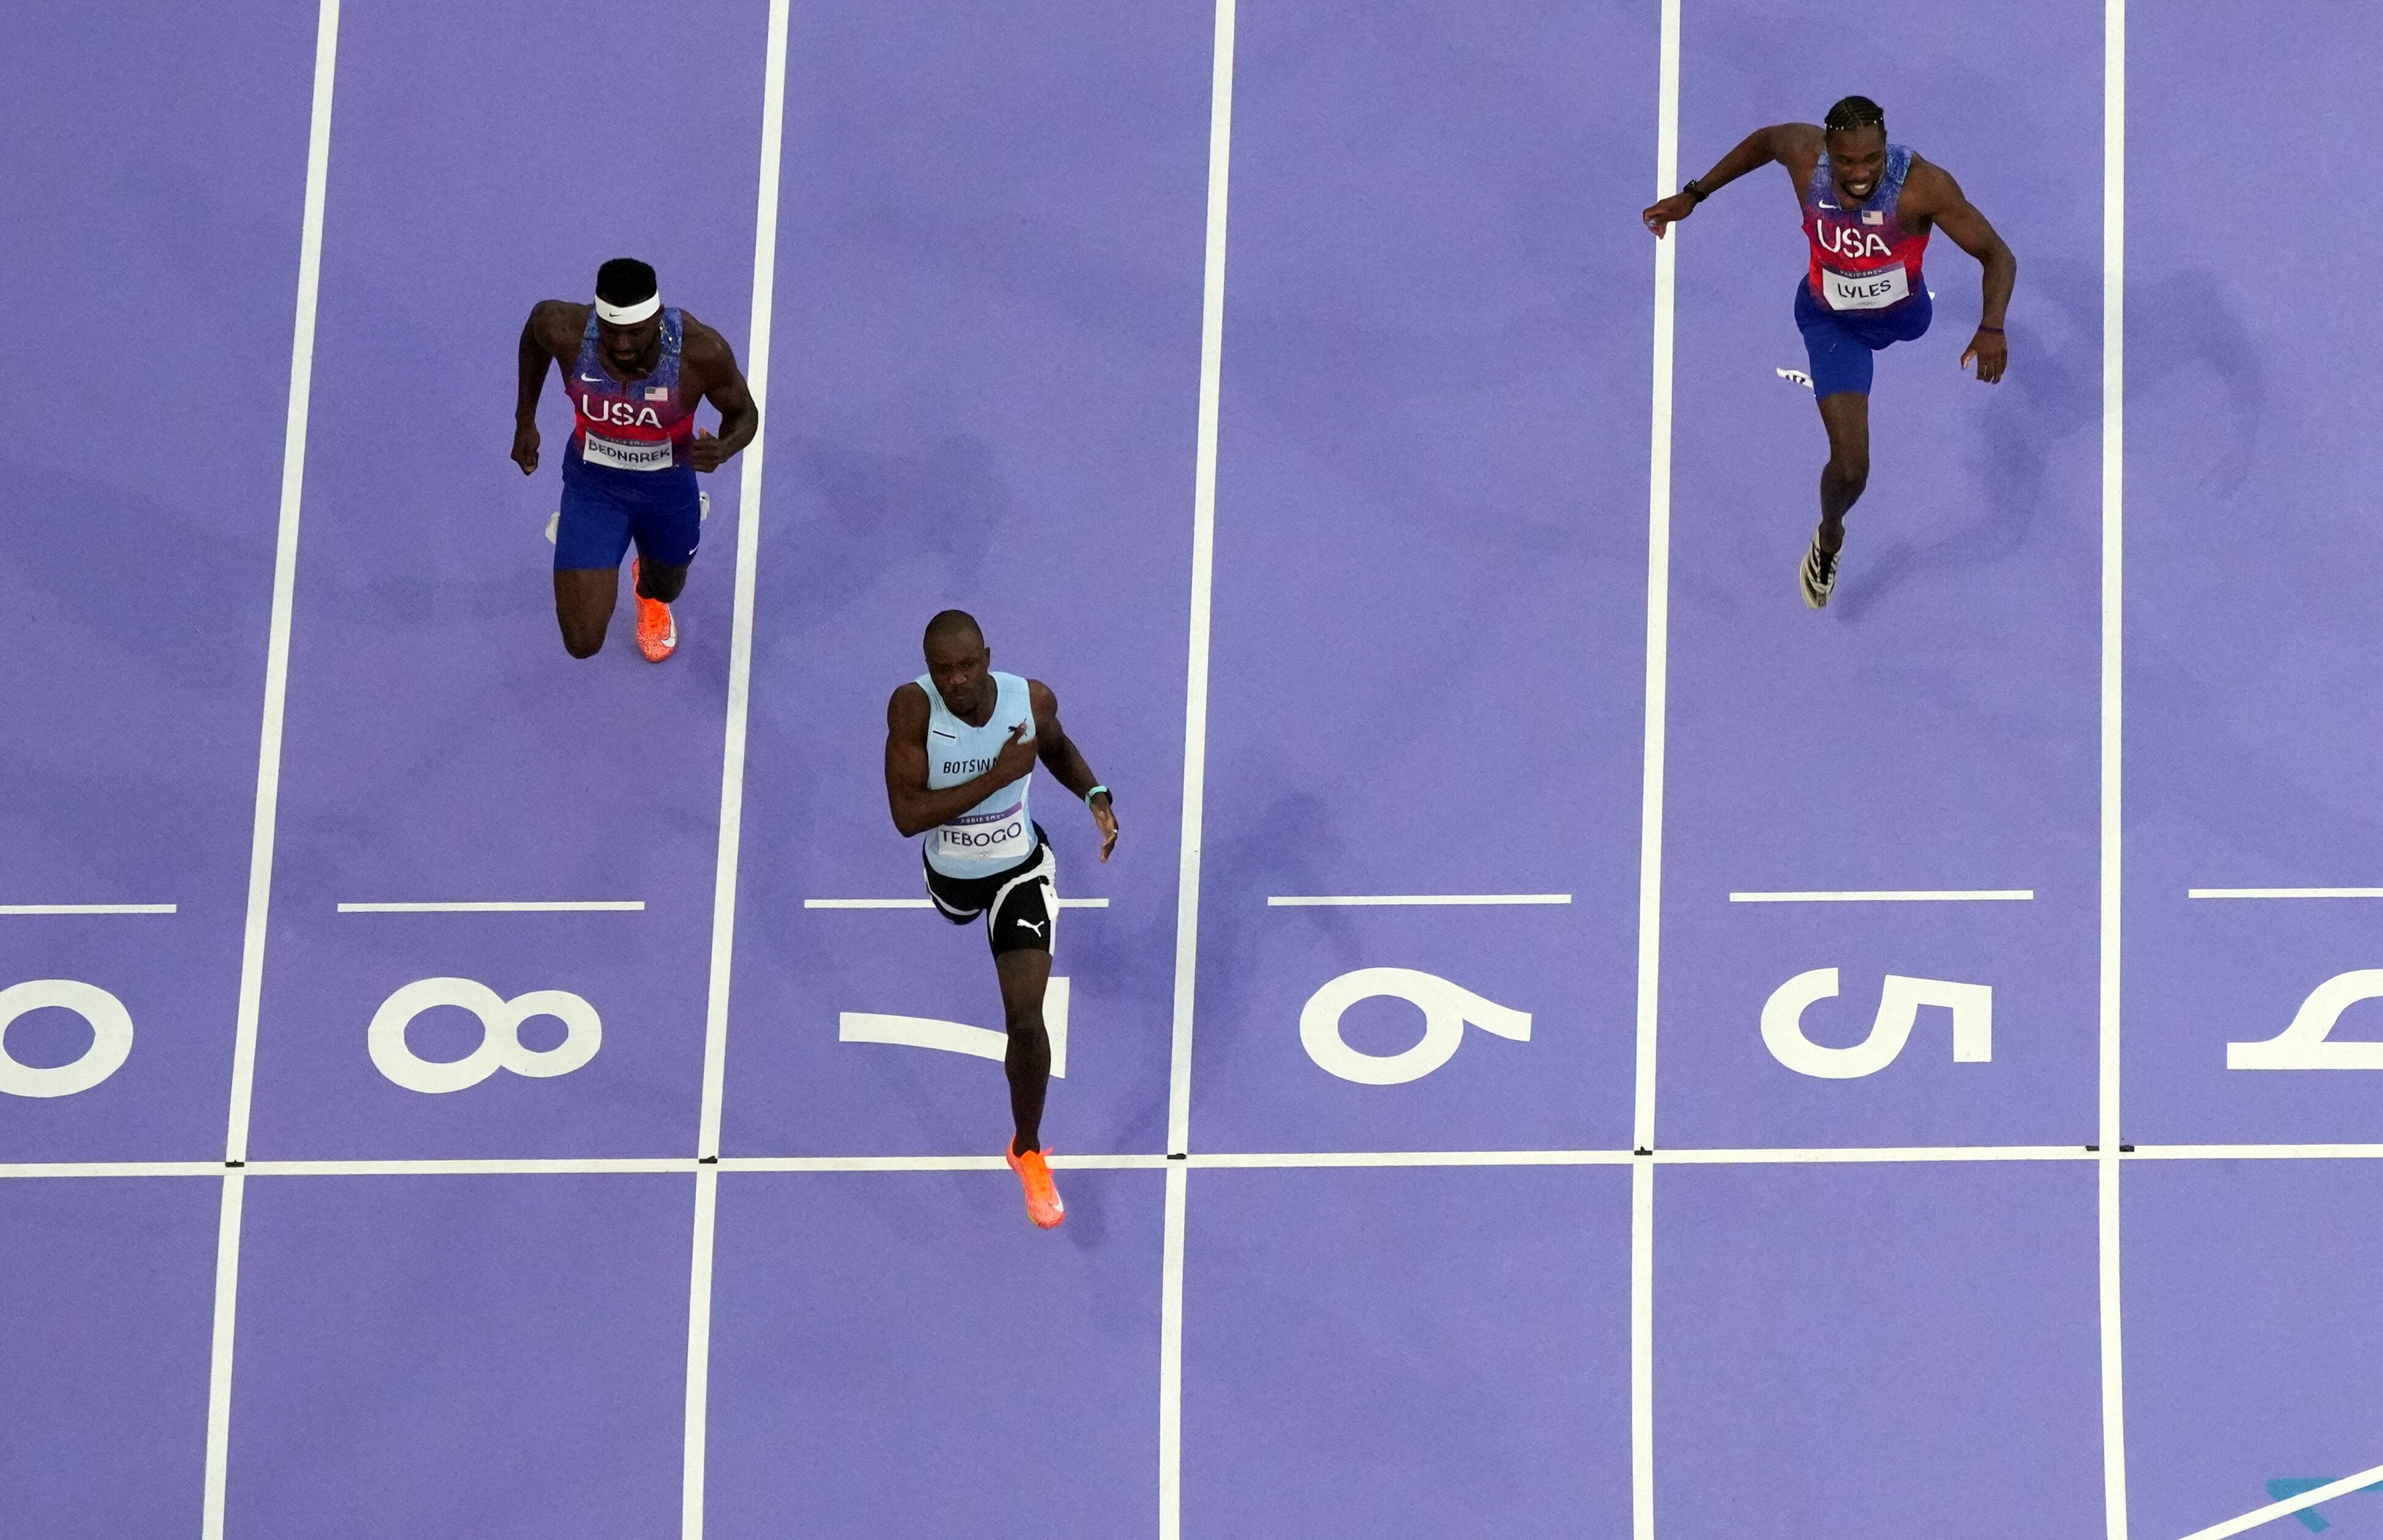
(925, 904)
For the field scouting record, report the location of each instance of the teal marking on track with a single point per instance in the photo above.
(2310, 1520)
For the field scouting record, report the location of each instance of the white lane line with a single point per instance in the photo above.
(227, 1313)
(1171, 1354)
(1410, 899)
(924, 904)
(525, 906)
(86, 909)
(1642, 1349)
(285, 589)
(2283, 893)
(268, 768)
(749, 558)
(1203, 562)
(731, 763)
(2291, 1506)
(1892, 896)
(1195, 772)
(1651, 803)
(2114, 395)
(699, 1353)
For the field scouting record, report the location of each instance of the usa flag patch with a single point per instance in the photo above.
(1874, 216)
(657, 392)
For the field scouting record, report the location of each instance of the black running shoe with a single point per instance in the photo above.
(1819, 575)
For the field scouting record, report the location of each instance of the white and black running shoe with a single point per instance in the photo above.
(1819, 575)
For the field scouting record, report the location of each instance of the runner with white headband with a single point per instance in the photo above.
(634, 370)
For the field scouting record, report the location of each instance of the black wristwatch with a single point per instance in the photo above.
(1693, 190)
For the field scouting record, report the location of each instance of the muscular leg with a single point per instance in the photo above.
(584, 597)
(1024, 975)
(1847, 416)
(659, 583)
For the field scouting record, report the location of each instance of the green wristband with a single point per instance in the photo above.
(1097, 791)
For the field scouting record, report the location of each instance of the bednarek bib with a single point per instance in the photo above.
(639, 425)
(999, 831)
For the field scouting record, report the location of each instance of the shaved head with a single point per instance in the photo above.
(954, 625)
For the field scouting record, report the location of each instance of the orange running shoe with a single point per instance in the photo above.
(657, 628)
(1042, 1205)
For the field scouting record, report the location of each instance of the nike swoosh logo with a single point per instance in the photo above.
(591, 379)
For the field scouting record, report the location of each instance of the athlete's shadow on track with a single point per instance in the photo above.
(2055, 391)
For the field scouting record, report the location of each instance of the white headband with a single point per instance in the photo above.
(628, 316)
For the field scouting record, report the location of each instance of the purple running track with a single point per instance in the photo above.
(1414, 665)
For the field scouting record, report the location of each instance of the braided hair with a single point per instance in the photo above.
(1854, 112)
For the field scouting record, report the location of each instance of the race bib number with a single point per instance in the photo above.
(1002, 836)
(1872, 290)
(625, 455)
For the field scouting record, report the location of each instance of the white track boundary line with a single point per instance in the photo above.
(1203, 562)
(285, 581)
(924, 904)
(86, 909)
(1195, 772)
(748, 559)
(1397, 900)
(1170, 1350)
(1892, 896)
(525, 906)
(1650, 807)
(2114, 332)
(217, 1462)
(732, 774)
(226, 1313)
(2290, 1505)
(699, 1352)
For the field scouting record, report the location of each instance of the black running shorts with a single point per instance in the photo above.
(1017, 903)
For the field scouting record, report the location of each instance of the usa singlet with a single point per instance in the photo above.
(1862, 257)
(998, 832)
(643, 425)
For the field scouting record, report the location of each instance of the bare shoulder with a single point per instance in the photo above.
(703, 345)
(908, 709)
(558, 324)
(1798, 147)
(1043, 702)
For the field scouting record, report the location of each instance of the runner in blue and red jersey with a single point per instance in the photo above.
(1868, 206)
(634, 370)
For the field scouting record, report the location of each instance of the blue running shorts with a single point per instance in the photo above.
(605, 508)
(1840, 342)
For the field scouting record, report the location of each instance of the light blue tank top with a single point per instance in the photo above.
(998, 832)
